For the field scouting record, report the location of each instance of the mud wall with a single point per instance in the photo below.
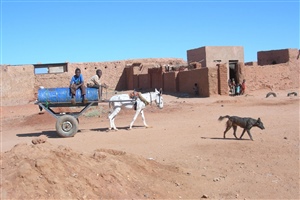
(276, 76)
(224, 54)
(211, 55)
(143, 81)
(273, 57)
(196, 55)
(170, 81)
(17, 84)
(187, 79)
(156, 78)
(213, 82)
(223, 79)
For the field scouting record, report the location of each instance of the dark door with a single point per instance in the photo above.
(233, 70)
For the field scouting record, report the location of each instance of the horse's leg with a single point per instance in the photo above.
(112, 116)
(114, 125)
(143, 117)
(134, 118)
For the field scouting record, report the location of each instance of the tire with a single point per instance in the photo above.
(292, 93)
(66, 126)
(271, 93)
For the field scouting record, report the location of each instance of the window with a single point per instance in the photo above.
(50, 68)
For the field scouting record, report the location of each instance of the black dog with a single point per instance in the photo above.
(247, 123)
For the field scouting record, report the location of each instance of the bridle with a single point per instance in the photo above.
(159, 95)
(150, 98)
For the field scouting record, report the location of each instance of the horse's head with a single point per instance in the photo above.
(159, 100)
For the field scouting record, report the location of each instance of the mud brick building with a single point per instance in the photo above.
(210, 67)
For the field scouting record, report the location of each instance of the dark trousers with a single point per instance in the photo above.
(74, 87)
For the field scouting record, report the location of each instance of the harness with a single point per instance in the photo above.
(143, 99)
(135, 95)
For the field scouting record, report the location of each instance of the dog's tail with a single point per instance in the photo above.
(223, 117)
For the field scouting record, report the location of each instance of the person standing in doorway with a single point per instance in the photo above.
(243, 87)
(233, 87)
(230, 86)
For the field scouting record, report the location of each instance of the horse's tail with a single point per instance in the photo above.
(223, 117)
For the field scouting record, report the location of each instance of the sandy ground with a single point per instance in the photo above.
(182, 156)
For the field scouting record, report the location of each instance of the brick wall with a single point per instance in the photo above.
(143, 81)
(156, 78)
(273, 57)
(196, 55)
(20, 85)
(223, 79)
(169, 80)
(209, 56)
(213, 82)
(187, 79)
(17, 84)
(271, 76)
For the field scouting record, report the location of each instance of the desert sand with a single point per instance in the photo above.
(183, 155)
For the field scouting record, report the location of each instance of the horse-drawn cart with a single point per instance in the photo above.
(67, 122)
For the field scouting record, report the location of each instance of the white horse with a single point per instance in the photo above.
(124, 100)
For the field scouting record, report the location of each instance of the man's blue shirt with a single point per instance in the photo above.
(77, 80)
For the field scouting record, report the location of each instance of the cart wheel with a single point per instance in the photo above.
(66, 126)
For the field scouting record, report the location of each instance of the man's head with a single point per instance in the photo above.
(77, 72)
(99, 72)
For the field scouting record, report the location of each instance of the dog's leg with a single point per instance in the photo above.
(243, 133)
(248, 131)
(234, 131)
(228, 127)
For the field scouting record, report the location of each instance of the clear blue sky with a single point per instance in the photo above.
(97, 31)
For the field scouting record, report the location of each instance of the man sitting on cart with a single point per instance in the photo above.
(75, 83)
(95, 82)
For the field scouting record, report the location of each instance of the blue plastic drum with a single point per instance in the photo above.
(63, 95)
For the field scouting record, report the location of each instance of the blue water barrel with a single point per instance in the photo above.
(63, 95)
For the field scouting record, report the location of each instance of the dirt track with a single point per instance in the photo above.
(183, 155)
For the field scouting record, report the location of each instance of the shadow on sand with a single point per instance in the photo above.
(119, 128)
(218, 138)
(49, 134)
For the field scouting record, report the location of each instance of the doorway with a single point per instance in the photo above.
(233, 65)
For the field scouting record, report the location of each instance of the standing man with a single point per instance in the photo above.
(243, 87)
(95, 82)
(75, 83)
(233, 87)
